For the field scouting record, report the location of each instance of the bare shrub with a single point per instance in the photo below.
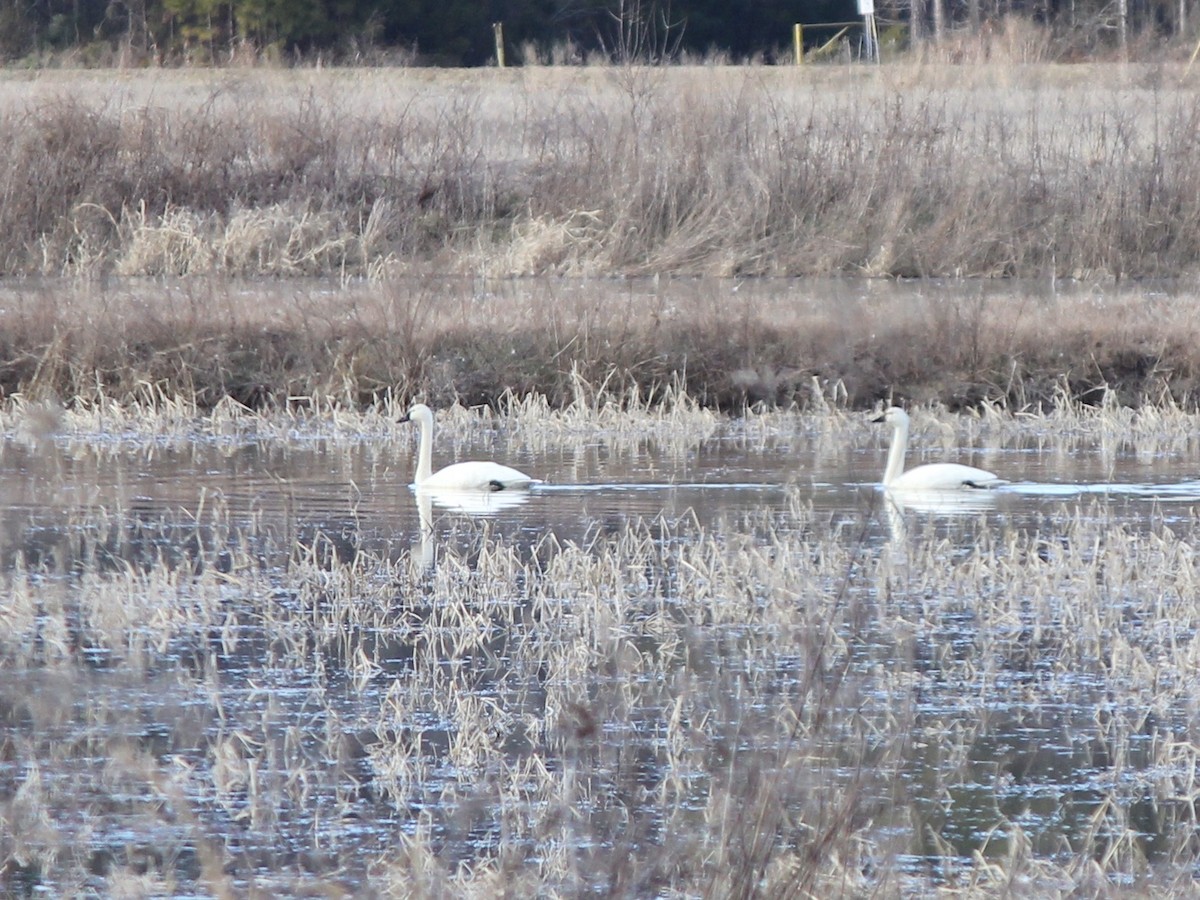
(1009, 41)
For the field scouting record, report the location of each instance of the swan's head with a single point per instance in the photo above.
(894, 416)
(419, 413)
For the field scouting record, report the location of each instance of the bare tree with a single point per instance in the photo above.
(643, 32)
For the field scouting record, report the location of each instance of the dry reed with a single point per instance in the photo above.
(729, 346)
(903, 170)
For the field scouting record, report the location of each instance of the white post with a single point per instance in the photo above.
(866, 9)
(498, 34)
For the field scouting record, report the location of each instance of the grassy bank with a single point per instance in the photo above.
(999, 169)
(730, 344)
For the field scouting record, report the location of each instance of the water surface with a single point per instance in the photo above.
(1040, 754)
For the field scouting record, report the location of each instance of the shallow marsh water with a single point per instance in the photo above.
(199, 664)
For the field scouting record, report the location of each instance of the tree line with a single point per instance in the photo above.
(460, 32)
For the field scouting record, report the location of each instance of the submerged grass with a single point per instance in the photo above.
(783, 705)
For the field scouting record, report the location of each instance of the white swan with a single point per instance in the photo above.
(463, 476)
(930, 477)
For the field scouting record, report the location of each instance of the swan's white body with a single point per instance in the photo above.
(463, 476)
(930, 477)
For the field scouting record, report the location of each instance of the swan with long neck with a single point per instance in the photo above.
(466, 476)
(932, 476)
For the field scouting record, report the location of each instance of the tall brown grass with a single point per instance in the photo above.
(729, 345)
(925, 169)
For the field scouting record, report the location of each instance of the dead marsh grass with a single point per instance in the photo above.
(372, 180)
(769, 708)
(928, 169)
(210, 344)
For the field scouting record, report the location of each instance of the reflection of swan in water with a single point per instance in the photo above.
(479, 504)
(944, 477)
(472, 502)
(943, 504)
(425, 513)
(949, 503)
(464, 476)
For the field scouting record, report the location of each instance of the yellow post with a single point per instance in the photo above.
(498, 31)
(798, 41)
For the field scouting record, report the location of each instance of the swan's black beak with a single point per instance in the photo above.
(882, 417)
(405, 418)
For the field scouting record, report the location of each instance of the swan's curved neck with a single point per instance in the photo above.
(425, 453)
(895, 460)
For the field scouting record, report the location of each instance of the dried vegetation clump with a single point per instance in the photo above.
(988, 169)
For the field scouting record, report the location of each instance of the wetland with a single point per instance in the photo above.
(707, 656)
(239, 656)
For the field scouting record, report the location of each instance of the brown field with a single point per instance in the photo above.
(1001, 169)
(373, 179)
(199, 699)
